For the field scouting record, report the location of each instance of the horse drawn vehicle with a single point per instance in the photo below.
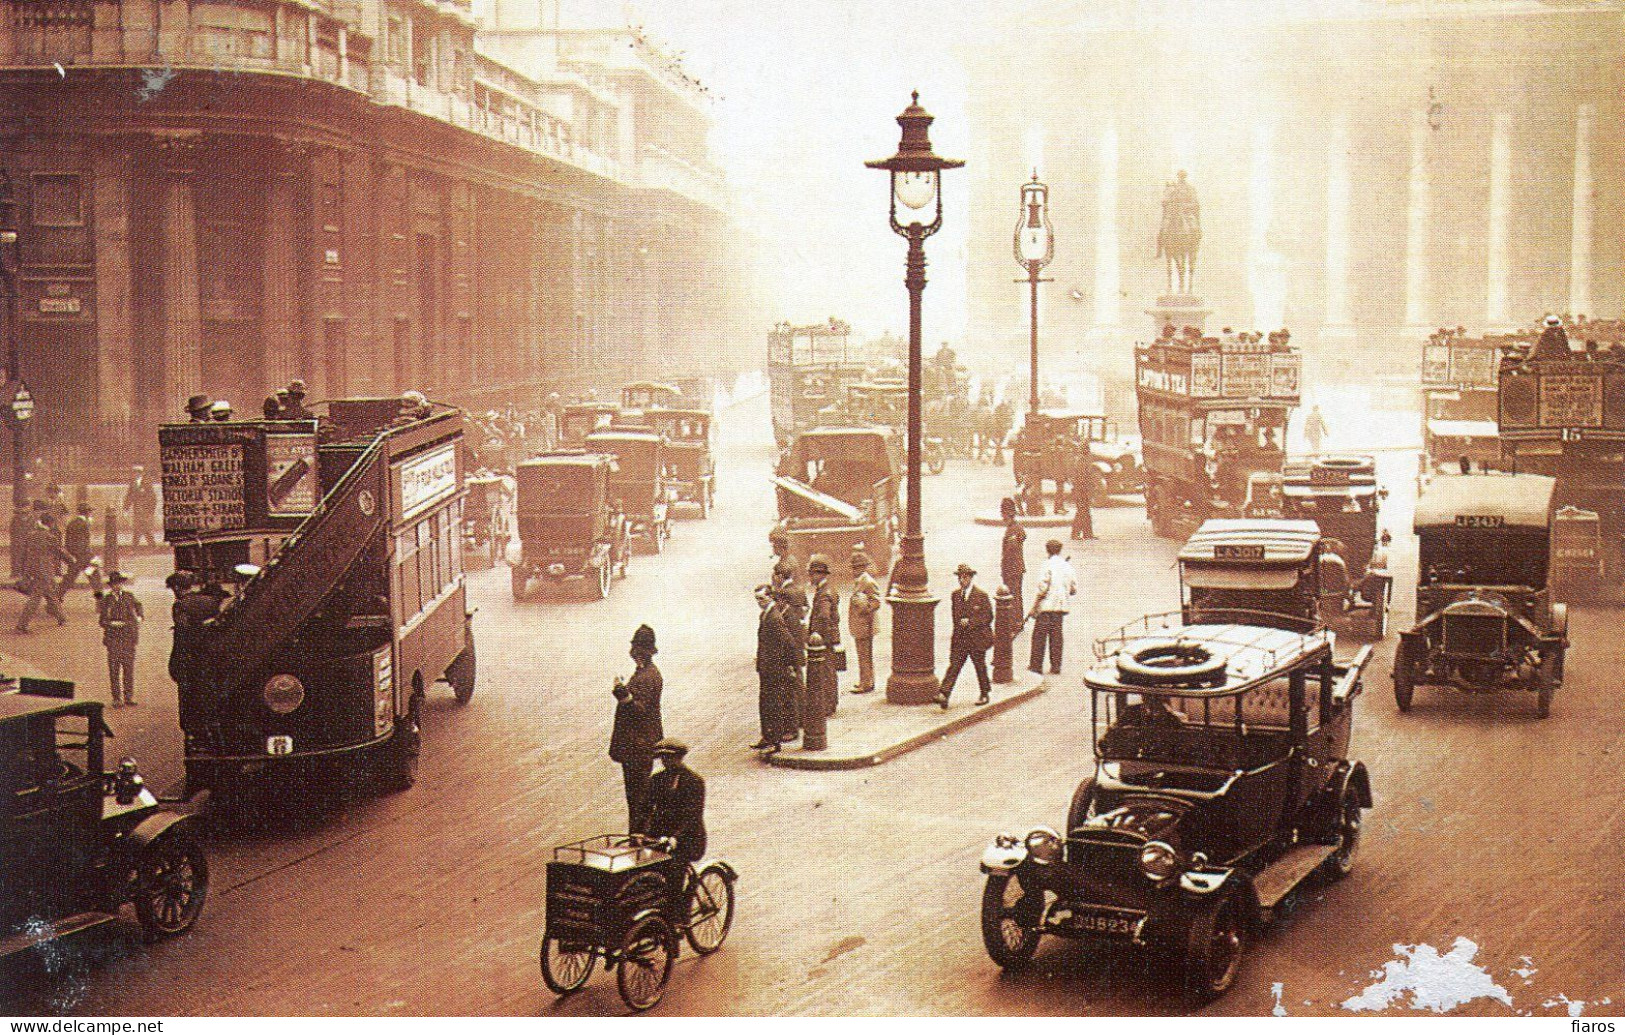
(488, 516)
(628, 902)
(837, 489)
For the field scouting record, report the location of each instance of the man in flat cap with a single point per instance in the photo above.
(972, 635)
(637, 727)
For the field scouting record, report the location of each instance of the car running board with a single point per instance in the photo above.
(39, 932)
(1287, 872)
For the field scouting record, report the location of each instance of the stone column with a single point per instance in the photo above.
(183, 319)
(1339, 324)
(1497, 314)
(1108, 254)
(1585, 203)
(1418, 305)
(1266, 269)
(279, 322)
(115, 322)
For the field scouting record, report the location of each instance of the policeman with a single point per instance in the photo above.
(638, 727)
(120, 614)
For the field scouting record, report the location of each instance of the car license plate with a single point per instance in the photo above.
(1103, 922)
(279, 745)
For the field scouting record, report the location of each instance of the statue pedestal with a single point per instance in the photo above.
(1180, 310)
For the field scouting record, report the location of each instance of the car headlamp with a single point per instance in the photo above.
(283, 693)
(1159, 861)
(1044, 845)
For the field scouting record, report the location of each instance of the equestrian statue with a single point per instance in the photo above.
(1181, 234)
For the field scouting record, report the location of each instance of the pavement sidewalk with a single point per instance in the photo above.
(867, 730)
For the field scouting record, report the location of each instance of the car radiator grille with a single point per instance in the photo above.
(1474, 635)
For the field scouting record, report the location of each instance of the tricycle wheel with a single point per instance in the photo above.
(566, 966)
(1341, 863)
(171, 884)
(710, 910)
(936, 459)
(521, 582)
(1215, 943)
(1009, 922)
(647, 953)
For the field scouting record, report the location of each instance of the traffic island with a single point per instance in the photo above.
(867, 730)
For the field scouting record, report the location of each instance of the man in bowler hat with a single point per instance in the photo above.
(120, 614)
(972, 635)
(637, 727)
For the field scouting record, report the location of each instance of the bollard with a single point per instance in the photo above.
(1006, 624)
(109, 539)
(820, 682)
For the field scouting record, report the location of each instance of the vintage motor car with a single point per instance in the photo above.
(1222, 782)
(688, 453)
(1261, 569)
(641, 480)
(578, 420)
(837, 489)
(488, 517)
(1046, 448)
(78, 842)
(647, 395)
(1341, 496)
(1487, 617)
(569, 527)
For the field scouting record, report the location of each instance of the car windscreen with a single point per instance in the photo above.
(1483, 556)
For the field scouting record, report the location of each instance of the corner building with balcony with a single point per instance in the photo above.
(372, 195)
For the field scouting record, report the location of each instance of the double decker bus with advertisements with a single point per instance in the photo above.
(335, 547)
(1213, 415)
(807, 370)
(1561, 410)
(1459, 400)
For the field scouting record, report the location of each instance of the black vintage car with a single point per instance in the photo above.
(1222, 781)
(1487, 620)
(76, 842)
(569, 527)
(642, 482)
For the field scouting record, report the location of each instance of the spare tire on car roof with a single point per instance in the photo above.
(1170, 663)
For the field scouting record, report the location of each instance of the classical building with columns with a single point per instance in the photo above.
(372, 195)
(1368, 170)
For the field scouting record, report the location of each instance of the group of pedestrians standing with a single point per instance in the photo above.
(788, 622)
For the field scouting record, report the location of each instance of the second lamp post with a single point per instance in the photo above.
(916, 213)
(1035, 247)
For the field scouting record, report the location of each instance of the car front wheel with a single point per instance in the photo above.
(1010, 923)
(1215, 943)
(171, 884)
(1349, 820)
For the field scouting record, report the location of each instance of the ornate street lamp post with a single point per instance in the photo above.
(1035, 247)
(916, 196)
